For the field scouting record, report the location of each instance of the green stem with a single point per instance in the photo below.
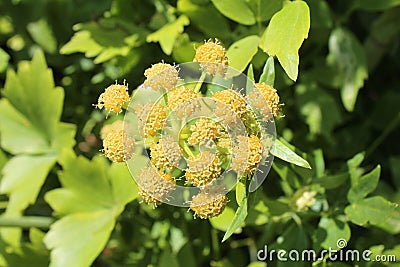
(26, 222)
(392, 125)
(215, 243)
(200, 82)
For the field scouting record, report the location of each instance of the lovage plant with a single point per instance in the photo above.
(167, 133)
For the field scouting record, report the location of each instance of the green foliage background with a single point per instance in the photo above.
(62, 204)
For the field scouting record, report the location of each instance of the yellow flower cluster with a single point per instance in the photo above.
(247, 154)
(209, 202)
(113, 98)
(165, 154)
(154, 186)
(161, 76)
(203, 169)
(233, 100)
(205, 164)
(118, 146)
(181, 100)
(204, 129)
(266, 93)
(212, 57)
(152, 117)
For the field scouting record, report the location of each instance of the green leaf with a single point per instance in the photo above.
(105, 39)
(206, 18)
(319, 108)
(241, 52)
(168, 34)
(236, 10)
(373, 210)
(104, 190)
(43, 35)
(364, 185)
(30, 129)
(23, 178)
(373, 5)
(285, 34)
(250, 73)
(3, 161)
(264, 9)
(240, 192)
(285, 153)
(330, 230)
(224, 220)
(268, 74)
(347, 55)
(4, 58)
(332, 181)
(238, 220)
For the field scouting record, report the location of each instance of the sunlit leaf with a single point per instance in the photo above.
(168, 34)
(283, 152)
(285, 34)
(237, 10)
(104, 191)
(42, 34)
(238, 219)
(373, 210)
(268, 74)
(241, 52)
(364, 185)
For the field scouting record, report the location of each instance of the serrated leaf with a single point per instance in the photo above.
(238, 219)
(283, 152)
(43, 35)
(373, 210)
(168, 34)
(268, 74)
(241, 52)
(364, 185)
(30, 129)
(23, 177)
(236, 10)
(104, 190)
(284, 35)
(347, 55)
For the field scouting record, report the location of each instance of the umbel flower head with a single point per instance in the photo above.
(210, 202)
(113, 98)
(203, 169)
(212, 57)
(111, 128)
(269, 94)
(152, 117)
(161, 76)
(165, 154)
(180, 100)
(247, 154)
(233, 100)
(204, 129)
(118, 146)
(154, 186)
